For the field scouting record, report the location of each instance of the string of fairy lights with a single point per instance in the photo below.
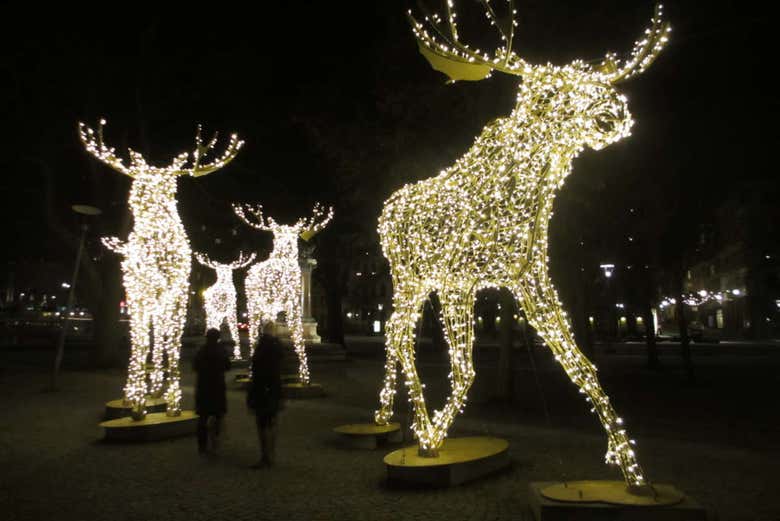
(274, 285)
(483, 222)
(156, 262)
(219, 300)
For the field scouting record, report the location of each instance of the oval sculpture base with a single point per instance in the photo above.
(612, 493)
(298, 391)
(119, 408)
(368, 435)
(459, 460)
(155, 426)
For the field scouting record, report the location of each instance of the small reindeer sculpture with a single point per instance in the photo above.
(483, 222)
(220, 298)
(274, 285)
(157, 262)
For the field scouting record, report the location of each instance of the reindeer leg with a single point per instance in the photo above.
(135, 388)
(157, 374)
(170, 323)
(295, 323)
(233, 326)
(457, 316)
(539, 300)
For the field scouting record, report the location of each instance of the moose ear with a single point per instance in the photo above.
(454, 68)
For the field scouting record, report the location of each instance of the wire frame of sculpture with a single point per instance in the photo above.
(274, 285)
(219, 300)
(483, 222)
(157, 261)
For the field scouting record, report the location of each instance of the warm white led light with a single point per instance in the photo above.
(274, 285)
(484, 221)
(219, 300)
(157, 262)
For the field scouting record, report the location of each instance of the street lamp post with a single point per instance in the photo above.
(85, 211)
(608, 270)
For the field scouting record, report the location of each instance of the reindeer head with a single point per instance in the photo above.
(153, 177)
(577, 102)
(285, 235)
(225, 268)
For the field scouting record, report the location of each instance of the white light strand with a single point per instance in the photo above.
(484, 222)
(157, 263)
(274, 285)
(219, 300)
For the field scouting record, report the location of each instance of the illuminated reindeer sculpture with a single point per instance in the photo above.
(220, 298)
(483, 222)
(157, 262)
(274, 285)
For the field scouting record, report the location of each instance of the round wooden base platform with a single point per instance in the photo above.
(368, 435)
(119, 409)
(459, 460)
(612, 493)
(239, 363)
(298, 391)
(156, 426)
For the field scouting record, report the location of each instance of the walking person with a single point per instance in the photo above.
(210, 364)
(264, 394)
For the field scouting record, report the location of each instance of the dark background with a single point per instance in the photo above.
(336, 105)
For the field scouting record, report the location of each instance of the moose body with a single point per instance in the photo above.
(156, 265)
(484, 221)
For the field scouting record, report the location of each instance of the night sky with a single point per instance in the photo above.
(336, 104)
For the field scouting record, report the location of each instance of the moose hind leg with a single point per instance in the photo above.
(539, 300)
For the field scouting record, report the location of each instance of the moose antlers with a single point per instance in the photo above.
(446, 53)
(93, 141)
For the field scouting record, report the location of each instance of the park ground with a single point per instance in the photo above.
(717, 439)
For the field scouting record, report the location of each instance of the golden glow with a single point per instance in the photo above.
(274, 285)
(156, 265)
(219, 300)
(483, 222)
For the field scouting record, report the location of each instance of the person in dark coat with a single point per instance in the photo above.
(264, 394)
(210, 364)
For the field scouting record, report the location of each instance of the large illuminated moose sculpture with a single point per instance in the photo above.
(483, 222)
(157, 262)
(274, 285)
(219, 300)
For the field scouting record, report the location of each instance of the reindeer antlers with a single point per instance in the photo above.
(309, 227)
(93, 141)
(259, 222)
(241, 262)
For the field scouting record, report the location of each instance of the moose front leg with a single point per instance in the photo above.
(538, 298)
(400, 342)
(457, 317)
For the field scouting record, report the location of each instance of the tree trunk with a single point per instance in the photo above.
(685, 341)
(652, 348)
(505, 377)
(107, 331)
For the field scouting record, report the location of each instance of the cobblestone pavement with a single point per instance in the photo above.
(53, 466)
